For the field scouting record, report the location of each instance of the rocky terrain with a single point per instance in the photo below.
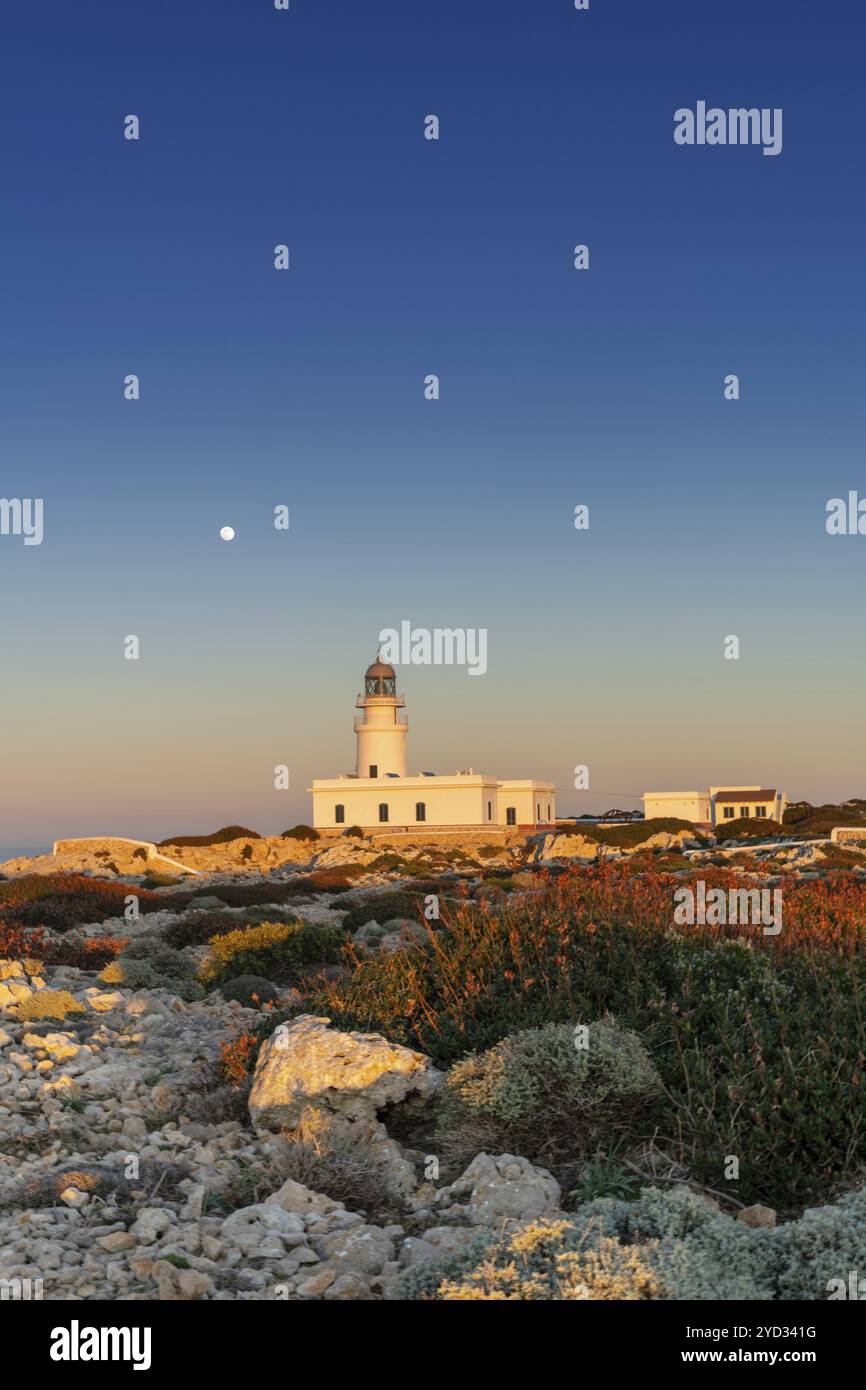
(173, 1129)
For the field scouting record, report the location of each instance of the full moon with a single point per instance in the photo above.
(227, 533)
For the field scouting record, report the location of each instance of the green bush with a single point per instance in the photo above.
(150, 963)
(250, 990)
(384, 862)
(276, 950)
(759, 1040)
(300, 832)
(632, 832)
(750, 828)
(64, 901)
(382, 907)
(814, 822)
(335, 880)
(551, 1094)
(197, 928)
(219, 837)
(841, 857)
(667, 1245)
(48, 1003)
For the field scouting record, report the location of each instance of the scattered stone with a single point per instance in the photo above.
(757, 1215)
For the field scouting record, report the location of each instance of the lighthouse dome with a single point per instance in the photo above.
(380, 668)
(379, 679)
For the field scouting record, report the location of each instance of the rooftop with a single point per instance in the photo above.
(747, 794)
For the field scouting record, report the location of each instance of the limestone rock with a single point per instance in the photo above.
(308, 1063)
(294, 1197)
(262, 1226)
(116, 1242)
(150, 1224)
(757, 1215)
(363, 1250)
(553, 847)
(505, 1188)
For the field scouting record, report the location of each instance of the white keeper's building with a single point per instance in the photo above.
(380, 793)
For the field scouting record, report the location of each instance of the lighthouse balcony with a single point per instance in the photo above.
(386, 701)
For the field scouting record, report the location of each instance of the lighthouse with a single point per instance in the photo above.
(380, 730)
(380, 797)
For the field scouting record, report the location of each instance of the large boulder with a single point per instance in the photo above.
(326, 1087)
(307, 1063)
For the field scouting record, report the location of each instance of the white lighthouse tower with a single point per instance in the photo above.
(381, 731)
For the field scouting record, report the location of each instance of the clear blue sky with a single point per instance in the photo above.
(306, 388)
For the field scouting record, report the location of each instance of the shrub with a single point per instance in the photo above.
(276, 950)
(634, 832)
(336, 1165)
(750, 828)
(382, 907)
(83, 953)
(383, 862)
(758, 1039)
(839, 857)
(16, 941)
(219, 837)
(300, 832)
(539, 1263)
(544, 1094)
(150, 963)
(63, 901)
(250, 990)
(807, 821)
(355, 831)
(669, 1244)
(335, 880)
(237, 1058)
(197, 928)
(49, 1003)
(267, 893)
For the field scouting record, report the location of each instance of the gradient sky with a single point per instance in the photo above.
(306, 388)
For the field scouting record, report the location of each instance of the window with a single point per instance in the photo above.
(490, 810)
(420, 810)
(760, 811)
(744, 811)
(729, 813)
(383, 810)
(511, 815)
(340, 815)
(538, 810)
(548, 810)
(374, 769)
